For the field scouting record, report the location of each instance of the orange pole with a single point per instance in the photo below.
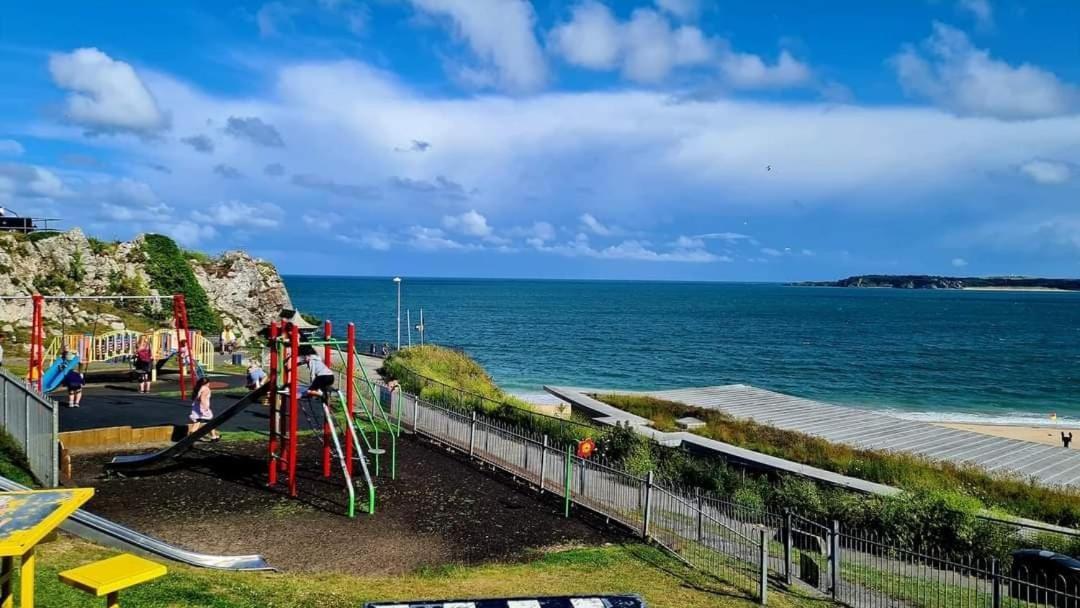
(178, 304)
(37, 341)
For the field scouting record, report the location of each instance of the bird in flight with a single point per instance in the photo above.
(768, 167)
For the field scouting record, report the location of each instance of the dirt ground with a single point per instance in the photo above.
(440, 510)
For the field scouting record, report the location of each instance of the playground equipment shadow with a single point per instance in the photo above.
(119, 405)
(438, 511)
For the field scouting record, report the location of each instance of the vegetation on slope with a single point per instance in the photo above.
(452, 379)
(13, 463)
(170, 273)
(663, 582)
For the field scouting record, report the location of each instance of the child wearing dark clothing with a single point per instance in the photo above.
(74, 381)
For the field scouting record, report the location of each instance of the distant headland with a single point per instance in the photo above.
(923, 281)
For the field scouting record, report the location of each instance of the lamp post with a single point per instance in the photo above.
(398, 281)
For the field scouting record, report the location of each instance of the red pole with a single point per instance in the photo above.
(37, 341)
(187, 335)
(326, 423)
(275, 414)
(350, 369)
(177, 305)
(294, 405)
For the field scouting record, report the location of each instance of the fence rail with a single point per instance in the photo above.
(674, 520)
(33, 422)
(747, 547)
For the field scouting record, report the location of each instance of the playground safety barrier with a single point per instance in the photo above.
(693, 532)
(33, 422)
(120, 344)
(749, 546)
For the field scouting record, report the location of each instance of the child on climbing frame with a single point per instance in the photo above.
(322, 377)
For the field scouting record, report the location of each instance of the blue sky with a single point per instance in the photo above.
(677, 139)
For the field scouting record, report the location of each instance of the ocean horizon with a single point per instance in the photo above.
(939, 355)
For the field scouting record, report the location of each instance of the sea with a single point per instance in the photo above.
(946, 355)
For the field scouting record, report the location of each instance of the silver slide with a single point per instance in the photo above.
(102, 531)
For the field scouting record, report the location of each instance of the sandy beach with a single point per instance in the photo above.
(1050, 435)
(1012, 289)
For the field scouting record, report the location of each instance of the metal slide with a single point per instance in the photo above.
(138, 461)
(86, 525)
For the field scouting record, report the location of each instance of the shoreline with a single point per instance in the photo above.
(1049, 435)
(1053, 289)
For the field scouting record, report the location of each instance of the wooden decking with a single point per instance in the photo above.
(1046, 464)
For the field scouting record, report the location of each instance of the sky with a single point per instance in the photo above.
(649, 139)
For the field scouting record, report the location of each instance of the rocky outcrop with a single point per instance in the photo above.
(247, 293)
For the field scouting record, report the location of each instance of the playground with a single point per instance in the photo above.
(438, 511)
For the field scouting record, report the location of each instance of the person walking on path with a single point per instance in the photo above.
(1066, 439)
(200, 409)
(144, 358)
(1, 352)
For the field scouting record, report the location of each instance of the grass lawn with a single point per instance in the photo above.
(660, 579)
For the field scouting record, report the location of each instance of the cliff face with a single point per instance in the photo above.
(245, 292)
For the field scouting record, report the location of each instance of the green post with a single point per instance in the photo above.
(569, 476)
(371, 500)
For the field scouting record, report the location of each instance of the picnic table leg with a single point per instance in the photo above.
(112, 600)
(26, 580)
(7, 565)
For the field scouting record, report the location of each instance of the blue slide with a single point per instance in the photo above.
(56, 372)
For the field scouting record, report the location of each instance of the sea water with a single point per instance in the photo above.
(938, 355)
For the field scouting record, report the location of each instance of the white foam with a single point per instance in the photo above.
(1008, 418)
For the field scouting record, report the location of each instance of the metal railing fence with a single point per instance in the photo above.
(746, 546)
(691, 530)
(33, 422)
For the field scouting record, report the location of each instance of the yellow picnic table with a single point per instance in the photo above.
(25, 519)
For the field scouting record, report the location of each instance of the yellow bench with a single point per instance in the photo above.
(109, 577)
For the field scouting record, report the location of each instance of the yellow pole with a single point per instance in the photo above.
(6, 572)
(26, 580)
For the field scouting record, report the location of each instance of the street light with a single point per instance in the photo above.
(398, 281)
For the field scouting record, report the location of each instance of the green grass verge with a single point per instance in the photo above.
(660, 579)
(13, 463)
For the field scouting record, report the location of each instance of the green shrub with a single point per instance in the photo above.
(76, 268)
(197, 256)
(170, 274)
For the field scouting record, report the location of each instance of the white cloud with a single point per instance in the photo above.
(646, 48)
(590, 39)
(769, 251)
(237, 214)
(500, 33)
(683, 9)
(469, 223)
(980, 10)
(747, 71)
(728, 237)
(11, 147)
(376, 240)
(959, 262)
(1055, 234)
(188, 233)
(594, 225)
(104, 94)
(434, 239)
(635, 250)
(950, 71)
(29, 181)
(1046, 171)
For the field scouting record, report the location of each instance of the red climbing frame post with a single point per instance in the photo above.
(294, 404)
(275, 412)
(37, 342)
(347, 386)
(183, 340)
(326, 456)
